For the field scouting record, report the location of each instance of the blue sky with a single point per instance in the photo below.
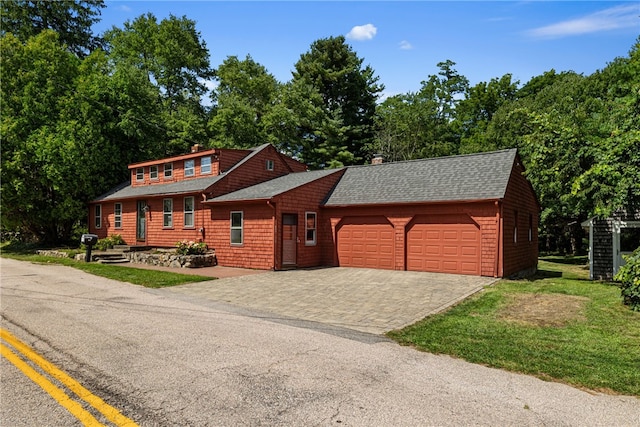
(404, 41)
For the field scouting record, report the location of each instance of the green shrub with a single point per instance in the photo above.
(629, 276)
(109, 242)
(191, 248)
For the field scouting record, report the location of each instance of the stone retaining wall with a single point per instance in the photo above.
(53, 253)
(172, 260)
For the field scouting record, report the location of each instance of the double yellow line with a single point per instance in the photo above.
(74, 407)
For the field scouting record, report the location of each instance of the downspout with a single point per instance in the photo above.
(275, 233)
(500, 238)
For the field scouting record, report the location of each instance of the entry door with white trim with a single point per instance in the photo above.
(289, 239)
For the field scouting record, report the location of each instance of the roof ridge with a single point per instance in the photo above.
(483, 153)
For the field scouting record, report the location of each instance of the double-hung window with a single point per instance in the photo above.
(188, 211)
(97, 216)
(153, 172)
(189, 167)
(236, 228)
(168, 170)
(167, 213)
(139, 174)
(311, 227)
(117, 215)
(205, 165)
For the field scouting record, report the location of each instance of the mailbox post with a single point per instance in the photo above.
(88, 240)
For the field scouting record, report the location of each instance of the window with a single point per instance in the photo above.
(139, 174)
(236, 228)
(167, 213)
(310, 227)
(530, 227)
(117, 215)
(189, 167)
(98, 216)
(205, 165)
(515, 227)
(153, 172)
(269, 165)
(168, 170)
(188, 211)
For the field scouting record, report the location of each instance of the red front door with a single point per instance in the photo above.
(289, 239)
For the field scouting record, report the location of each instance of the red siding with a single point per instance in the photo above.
(521, 254)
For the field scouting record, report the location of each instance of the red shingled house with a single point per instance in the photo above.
(473, 214)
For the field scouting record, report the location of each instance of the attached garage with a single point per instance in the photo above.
(447, 244)
(365, 242)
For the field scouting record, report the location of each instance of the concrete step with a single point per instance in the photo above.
(112, 261)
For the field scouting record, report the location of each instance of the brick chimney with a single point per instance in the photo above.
(377, 159)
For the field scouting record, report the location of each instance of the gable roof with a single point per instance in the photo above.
(274, 187)
(482, 176)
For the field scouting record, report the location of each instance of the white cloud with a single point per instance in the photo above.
(124, 8)
(362, 32)
(405, 45)
(624, 16)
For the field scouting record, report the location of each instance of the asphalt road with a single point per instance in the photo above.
(166, 361)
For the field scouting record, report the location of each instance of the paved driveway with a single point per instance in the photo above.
(367, 300)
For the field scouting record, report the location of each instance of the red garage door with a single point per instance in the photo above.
(444, 244)
(365, 242)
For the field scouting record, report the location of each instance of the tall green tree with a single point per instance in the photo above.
(345, 94)
(69, 127)
(71, 19)
(245, 95)
(175, 58)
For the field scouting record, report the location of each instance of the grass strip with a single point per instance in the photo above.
(557, 326)
(136, 276)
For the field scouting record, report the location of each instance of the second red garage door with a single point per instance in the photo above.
(444, 244)
(366, 242)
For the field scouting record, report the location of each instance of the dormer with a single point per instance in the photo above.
(197, 164)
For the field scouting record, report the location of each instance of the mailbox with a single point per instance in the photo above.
(88, 240)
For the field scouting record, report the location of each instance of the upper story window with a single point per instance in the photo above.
(153, 172)
(189, 167)
(139, 174)
(269, 165)
(117, 215)
(168, 170)
(310, 228)
(205, 165)
(97, 217)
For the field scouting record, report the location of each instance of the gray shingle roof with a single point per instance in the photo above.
(127, 191)
(274, 187)
(468, 177)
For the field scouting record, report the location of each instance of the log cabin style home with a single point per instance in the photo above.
(470, 214)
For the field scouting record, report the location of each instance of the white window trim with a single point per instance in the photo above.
(117, 218)
(192, 212)
(97, 216)
(191, 169)
(269, 165)
(241, 228)
(515, 227)
(151, 168)
(170, 170)
(139, 176)
(306, 229)
(205, 172)
(165, 213)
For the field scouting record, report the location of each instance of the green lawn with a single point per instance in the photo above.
(557, 326)
(137, 276)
